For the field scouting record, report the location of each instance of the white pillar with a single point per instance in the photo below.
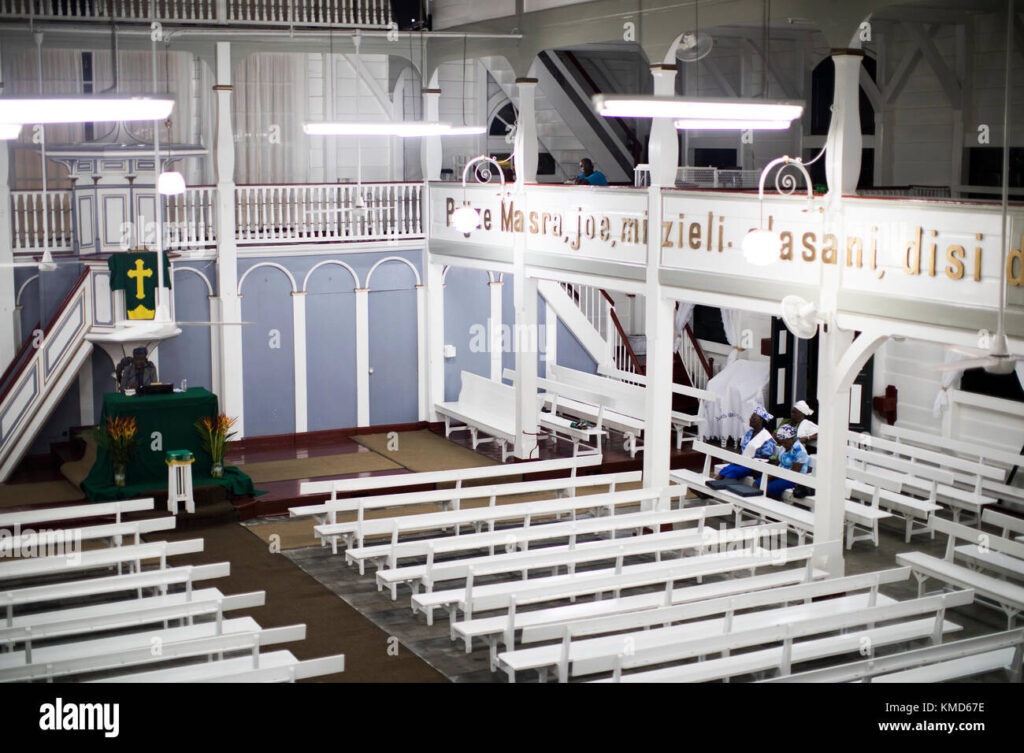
(494, 325)
(526, 149)
(524, 335)
(844, 142)
(435, 334)
(299, 338)
(229, 366)
(663, 144)
(658, 325)
(422, 365)
(362, 357)
(430, 146)
(9, 342)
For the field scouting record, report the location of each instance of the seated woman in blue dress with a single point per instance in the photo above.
(756, 443)
(793, 457)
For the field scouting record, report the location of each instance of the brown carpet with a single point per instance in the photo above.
(332, 626)
(423, 451)
(325, 465)
(43, 492)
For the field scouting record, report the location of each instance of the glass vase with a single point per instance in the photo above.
(120, 474)
(217, 469)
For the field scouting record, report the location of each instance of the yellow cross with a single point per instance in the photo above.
(140, 273)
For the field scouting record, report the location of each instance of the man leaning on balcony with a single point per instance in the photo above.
(589, 176)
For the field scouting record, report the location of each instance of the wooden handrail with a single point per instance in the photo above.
(625, 341)
(704, 363)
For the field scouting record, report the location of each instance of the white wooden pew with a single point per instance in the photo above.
(203, 639)
(499, 596)
(327, 512)
(360, 529)
(273, 666)
(50, 515)
(1004, 595)
(160, 580)
(557, 557)
(518, 540)
(132, 554)
(456, 476)
(716, 615)
(504, 627)
(885, 492)
(1009, 525)
(31, 540)
(652, 647)
(486, 406)
(956, 660)
(523, 538)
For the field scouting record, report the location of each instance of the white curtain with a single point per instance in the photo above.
(684, 313)
(948, 379)
(732, 322)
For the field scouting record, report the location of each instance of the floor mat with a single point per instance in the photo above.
(423, 451)
(43, 492)
(315, 467)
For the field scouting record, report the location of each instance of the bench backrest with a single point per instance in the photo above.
(619, 396)
(74, 512)
(1008, 523)
(481, 392)
(957, 531)
(940, 443)
(940, 459)
(455, 475)
(710, 450)
(641, 380)
(891, 462)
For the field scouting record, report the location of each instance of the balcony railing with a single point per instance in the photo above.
(361, 13)
(702, 177)
(264, 215)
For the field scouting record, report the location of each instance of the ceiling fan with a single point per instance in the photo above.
(800, 317)
(994, 355)
(693, 46)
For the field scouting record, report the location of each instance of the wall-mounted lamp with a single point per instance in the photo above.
(762, 246)
(465, 218)
(171, 184)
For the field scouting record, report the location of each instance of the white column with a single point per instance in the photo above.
(86, 407)
(524, 335)
(430, 146)
(494, 326)
(299, 333)
(229, 359)
(663, 145)
(844, 142)
(8, 331)
(435, 334)
(422, 366)
(362, 357)
(658, 324)
(526, 149)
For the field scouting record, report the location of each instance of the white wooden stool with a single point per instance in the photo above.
(179, 480)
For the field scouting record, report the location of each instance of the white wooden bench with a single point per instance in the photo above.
(328, 512)
(956, 660)
(886, 493)
(576, 640)
(132, 554)
(1009, 525)
(858, 625)
(273, 666)
(133, 649)
(570, 557)
(921, 467)
(486, 406)
(499, 596)
(126, 614)
(456, 476)
(159, 580)
(523, 538)
(50, 515)
(620, 406)
(39, 541)
(1002, 594)
(504, 627)
(361, 528)
(517, 540)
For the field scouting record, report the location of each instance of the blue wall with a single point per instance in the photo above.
(571, 353)
(394, 380)
(467, 304)
(268, 353)
(187, 356)
(331, 348)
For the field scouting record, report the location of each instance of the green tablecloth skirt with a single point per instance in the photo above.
(165, 422)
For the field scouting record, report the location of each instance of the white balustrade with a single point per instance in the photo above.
(702, 177)
(27, 220)
(368, 13)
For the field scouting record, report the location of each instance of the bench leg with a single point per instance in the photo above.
(849, 536)
(921, 578)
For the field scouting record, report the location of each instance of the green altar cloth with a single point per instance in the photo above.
(173, 417)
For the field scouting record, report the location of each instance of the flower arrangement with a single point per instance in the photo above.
(119, 438)
(215, 432)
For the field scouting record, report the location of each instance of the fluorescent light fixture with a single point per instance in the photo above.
(403, 128)
(762, 247)
(171, 183)
(696, 108)
(32, 110)
(693, 124)
(9, 131)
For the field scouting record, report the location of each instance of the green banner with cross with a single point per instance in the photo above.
(134, 272)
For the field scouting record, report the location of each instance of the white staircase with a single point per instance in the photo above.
(37, 386)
